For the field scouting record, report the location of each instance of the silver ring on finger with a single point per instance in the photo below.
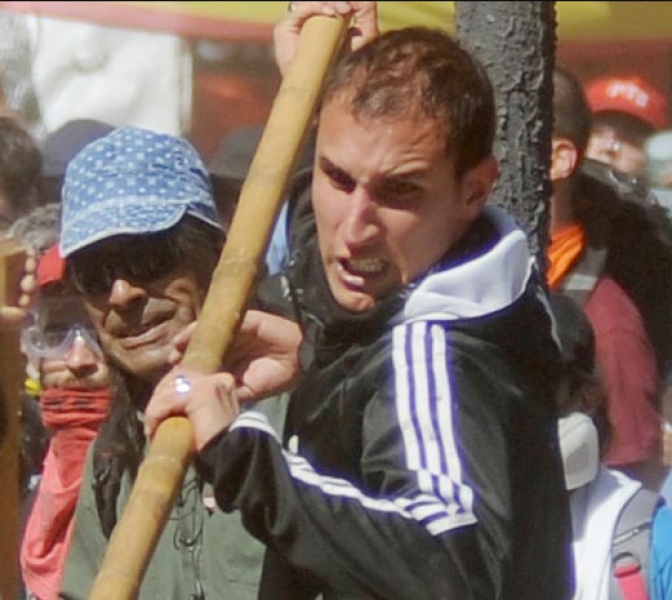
(182, 385)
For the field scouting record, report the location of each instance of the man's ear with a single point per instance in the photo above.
(564, 159)
(477, 185)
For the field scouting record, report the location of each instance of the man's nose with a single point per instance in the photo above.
(81, 358)
(360, 225)
(124, 293)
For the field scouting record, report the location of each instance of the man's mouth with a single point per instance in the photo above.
(365, 267)
(134, 332)
(144, 334)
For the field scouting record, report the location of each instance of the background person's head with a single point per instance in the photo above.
(571, 123)
(141, 235)
(658, 171)
(658, 151)
(626, 111)
(61, 146)
(60, 338)
(231, 163)
(20, 172)
(403, 161)
(571, 130)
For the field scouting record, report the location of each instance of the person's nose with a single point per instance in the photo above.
(360, 225)
(81, 358)
(124, 293)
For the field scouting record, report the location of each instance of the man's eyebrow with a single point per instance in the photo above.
(334, 171)
(409, 176)
(327, 163)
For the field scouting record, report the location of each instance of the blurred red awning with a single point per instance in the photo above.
(252, 21)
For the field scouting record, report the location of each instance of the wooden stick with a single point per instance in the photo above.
(161, 473)
(12, 373)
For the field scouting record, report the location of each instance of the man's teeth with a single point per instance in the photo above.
(367, 266)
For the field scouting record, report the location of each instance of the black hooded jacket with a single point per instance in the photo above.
(420, 455)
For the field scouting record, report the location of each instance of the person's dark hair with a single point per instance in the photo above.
(620, 213)
(20, 167)
(419, 71)
(571, 111)
(120, 441)
(202, 244)
(581, 388)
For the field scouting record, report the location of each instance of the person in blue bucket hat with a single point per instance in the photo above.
(141, 236)
(133, 181)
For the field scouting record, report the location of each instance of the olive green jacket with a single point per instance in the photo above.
(202, 553)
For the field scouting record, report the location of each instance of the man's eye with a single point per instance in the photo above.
(340, 179)
(343, 182)
(395, 193)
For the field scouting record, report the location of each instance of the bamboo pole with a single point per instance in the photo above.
(12, 371)
(160, 475)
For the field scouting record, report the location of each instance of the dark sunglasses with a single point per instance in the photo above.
(138, 261)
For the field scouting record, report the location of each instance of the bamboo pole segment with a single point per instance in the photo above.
(12, 372)
(160, 475)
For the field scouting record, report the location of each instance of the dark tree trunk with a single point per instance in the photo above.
(516, 43)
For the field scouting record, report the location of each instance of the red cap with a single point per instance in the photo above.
(51, 267)
(631, 95)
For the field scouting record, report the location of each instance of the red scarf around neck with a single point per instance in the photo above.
(72, 417)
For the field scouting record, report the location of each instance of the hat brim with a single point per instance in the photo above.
(126, 216)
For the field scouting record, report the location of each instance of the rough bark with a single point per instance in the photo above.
(516, 43)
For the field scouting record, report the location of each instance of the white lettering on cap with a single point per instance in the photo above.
(630, 91)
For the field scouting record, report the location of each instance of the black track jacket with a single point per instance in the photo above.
(420, 457)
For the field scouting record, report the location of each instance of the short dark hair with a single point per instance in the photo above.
(571, 112)
(421, 71)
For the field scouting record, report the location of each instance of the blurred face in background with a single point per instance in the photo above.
(62, 342)
(608, 146)
(618, 139)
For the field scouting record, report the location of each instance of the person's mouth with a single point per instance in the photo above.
(365, 266)
(356, 271)
(145, 334)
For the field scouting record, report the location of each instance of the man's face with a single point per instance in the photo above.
(137, 316)
(64, 339)
(387, 202)
(605, 145)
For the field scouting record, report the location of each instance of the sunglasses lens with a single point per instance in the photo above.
(153, 262)
(142, 261)
(90, 278)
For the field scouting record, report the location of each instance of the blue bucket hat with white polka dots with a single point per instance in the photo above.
(132, 181)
